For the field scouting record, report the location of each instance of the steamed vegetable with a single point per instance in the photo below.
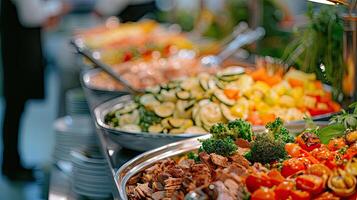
(279, 131)
(265, 149)
(224, 147)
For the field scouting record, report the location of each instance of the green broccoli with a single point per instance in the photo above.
(279, 131)
(265, 149)
(220, 131)
(235, 129)
(224, 147)
(241, 129)
(193, 156)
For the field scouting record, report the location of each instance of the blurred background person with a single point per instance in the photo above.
(23, 70)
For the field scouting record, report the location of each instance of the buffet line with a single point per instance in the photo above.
(223, 131)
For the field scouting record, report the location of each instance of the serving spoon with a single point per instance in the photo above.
(95, 59)
(241, 40)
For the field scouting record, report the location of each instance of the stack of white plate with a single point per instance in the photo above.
(76, 103)
(90, 174)
(72, 132)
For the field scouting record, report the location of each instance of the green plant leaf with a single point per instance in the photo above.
(331, 131)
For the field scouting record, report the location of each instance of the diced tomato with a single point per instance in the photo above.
(336, 144)
(256, 180)
(299, 195)
(316, 111)
(263, 194)
(283, 190)
(231, 93)
(275, 177)
(328, 196)
(286, 190)
(308, 141)
(310, 183)
(334, 106)
(292, 166)
(294, 150)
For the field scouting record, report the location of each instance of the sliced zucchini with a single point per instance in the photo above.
(183, 95)
(207, 127)
(129, 118)
(131, 128)
(204, 83)
(156, 128)
(168, 95)
(195, 111)
(188, 83)
(154, 89)
(128, 108)
(165, 123)
(180, 123)
(165, 109)
(177, 122)
(227, 112)
(212, 84)
(228, 78)
(204, 102)
(220, 84)
(177, 130)
(182, 111)
(196, 130)
(211, 114)
(197, 120)
(149, 101)
(190, 105)
(223, 98)
(231, 71)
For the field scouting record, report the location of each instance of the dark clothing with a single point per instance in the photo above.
(22, 59)
(135, 12)
(23, 71)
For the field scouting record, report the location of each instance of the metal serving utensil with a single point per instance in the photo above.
(241, 40)
(94, 58)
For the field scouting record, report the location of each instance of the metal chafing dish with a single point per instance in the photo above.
(143, 141)
(149, 158)
(87, 77)
(136, 141)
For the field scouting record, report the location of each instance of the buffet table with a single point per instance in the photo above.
(115, 155)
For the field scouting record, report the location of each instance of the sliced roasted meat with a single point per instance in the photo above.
(219, 160)
(142, 191)
(239, 159)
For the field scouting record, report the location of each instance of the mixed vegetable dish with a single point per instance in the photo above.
(194, 104)
(235, 163)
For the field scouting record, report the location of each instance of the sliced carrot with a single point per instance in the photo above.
(318, 85)
(254, 118)
(295, 82)
(231, 93)
(265, 118)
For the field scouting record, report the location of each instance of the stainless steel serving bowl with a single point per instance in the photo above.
(149, 158)
(142, 141)
(87, 77)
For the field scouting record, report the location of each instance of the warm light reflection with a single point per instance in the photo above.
(323, 1)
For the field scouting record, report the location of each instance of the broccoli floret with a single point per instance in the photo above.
(265, 149)
(279, 131)
(220, 131)
(224, 147)
(241, 129)
(235, 129)
(193, 156)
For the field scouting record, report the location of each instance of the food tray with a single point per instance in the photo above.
(136, 141)
(149, 158)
